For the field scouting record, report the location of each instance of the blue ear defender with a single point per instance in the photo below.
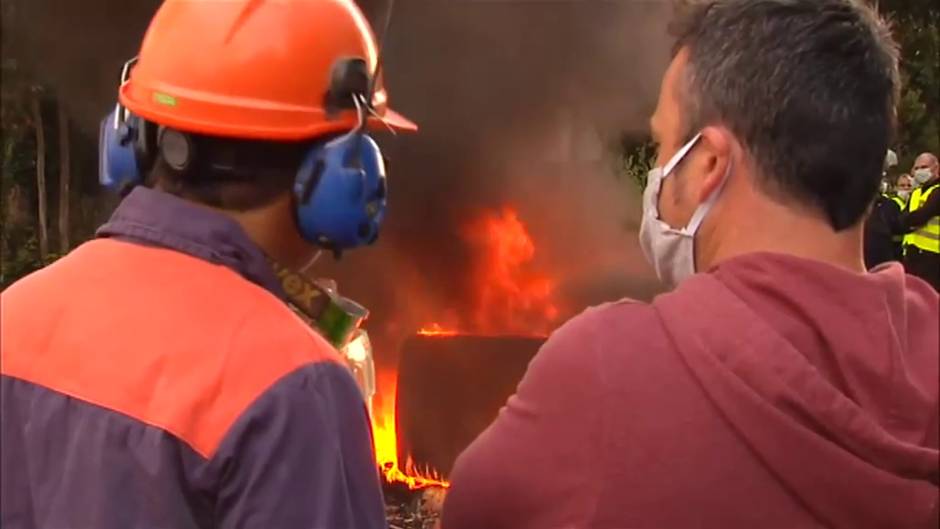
(117, 157)
(341, 190)
(341, 193)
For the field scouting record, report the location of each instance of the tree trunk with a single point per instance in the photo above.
(64, 180)
(41, 176)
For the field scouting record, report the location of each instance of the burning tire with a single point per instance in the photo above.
(450, 388)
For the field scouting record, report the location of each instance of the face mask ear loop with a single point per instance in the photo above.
(664, 172)
(679, 156)
(706, 206)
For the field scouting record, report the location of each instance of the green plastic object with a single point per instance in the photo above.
(340, 319)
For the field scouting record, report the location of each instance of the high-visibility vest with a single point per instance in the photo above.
(927, 237)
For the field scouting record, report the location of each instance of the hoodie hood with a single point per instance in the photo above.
(830, 377)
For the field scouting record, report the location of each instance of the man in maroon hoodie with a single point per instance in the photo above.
(778, 385)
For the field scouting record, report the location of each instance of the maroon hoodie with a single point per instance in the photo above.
(773, 392)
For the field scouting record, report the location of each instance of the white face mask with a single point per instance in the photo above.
(922, 176)
(671, 251)
(904, 194)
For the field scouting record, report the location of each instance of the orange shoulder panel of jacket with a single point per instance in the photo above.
(165, 338)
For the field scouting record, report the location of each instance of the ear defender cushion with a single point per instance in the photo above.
(117, 160)
(341, 193)
(176, 148)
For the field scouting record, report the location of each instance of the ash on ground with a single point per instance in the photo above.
(413, 509)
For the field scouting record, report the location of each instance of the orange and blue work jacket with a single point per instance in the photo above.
(154, 378)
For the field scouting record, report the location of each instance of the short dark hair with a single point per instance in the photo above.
(232, 174)
(810, 88)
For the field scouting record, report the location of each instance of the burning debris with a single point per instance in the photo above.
(386, 442)
(435, 329)
(450, 388)
(453, 376)
(414, 510)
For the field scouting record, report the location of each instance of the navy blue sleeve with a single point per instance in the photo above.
(301, 457)
(892, 215)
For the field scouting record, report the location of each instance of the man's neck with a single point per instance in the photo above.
(780, 229)
(272, 228)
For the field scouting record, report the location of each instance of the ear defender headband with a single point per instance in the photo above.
(340, 189)
(120, 140)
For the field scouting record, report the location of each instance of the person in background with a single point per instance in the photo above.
(156, 377)
(921, 222)
(882, 241)
(904, 187)
(779, 384)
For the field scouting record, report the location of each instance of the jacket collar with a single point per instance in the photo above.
(150, 217)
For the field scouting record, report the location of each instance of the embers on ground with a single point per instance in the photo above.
(413, 509)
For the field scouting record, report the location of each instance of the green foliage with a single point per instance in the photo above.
(22, 260)
(636, 160)
(18, 152)
(19, 252)
(918, 32)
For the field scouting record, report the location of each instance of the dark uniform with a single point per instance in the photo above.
(883, 243)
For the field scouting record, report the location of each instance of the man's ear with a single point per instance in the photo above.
(715, 146)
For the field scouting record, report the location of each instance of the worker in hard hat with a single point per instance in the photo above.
(155, 377)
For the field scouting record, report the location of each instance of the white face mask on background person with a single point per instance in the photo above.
(671, 251)
(922, 176)
(905, 194)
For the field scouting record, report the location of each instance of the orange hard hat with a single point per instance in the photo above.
(254, 69)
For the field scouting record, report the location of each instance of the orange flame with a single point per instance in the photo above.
(435, 329)
(513, 297)
(386, 443)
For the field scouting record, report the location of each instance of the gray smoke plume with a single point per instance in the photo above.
(519, 103)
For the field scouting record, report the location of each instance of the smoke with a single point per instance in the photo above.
(76, 49)
(519, 103)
